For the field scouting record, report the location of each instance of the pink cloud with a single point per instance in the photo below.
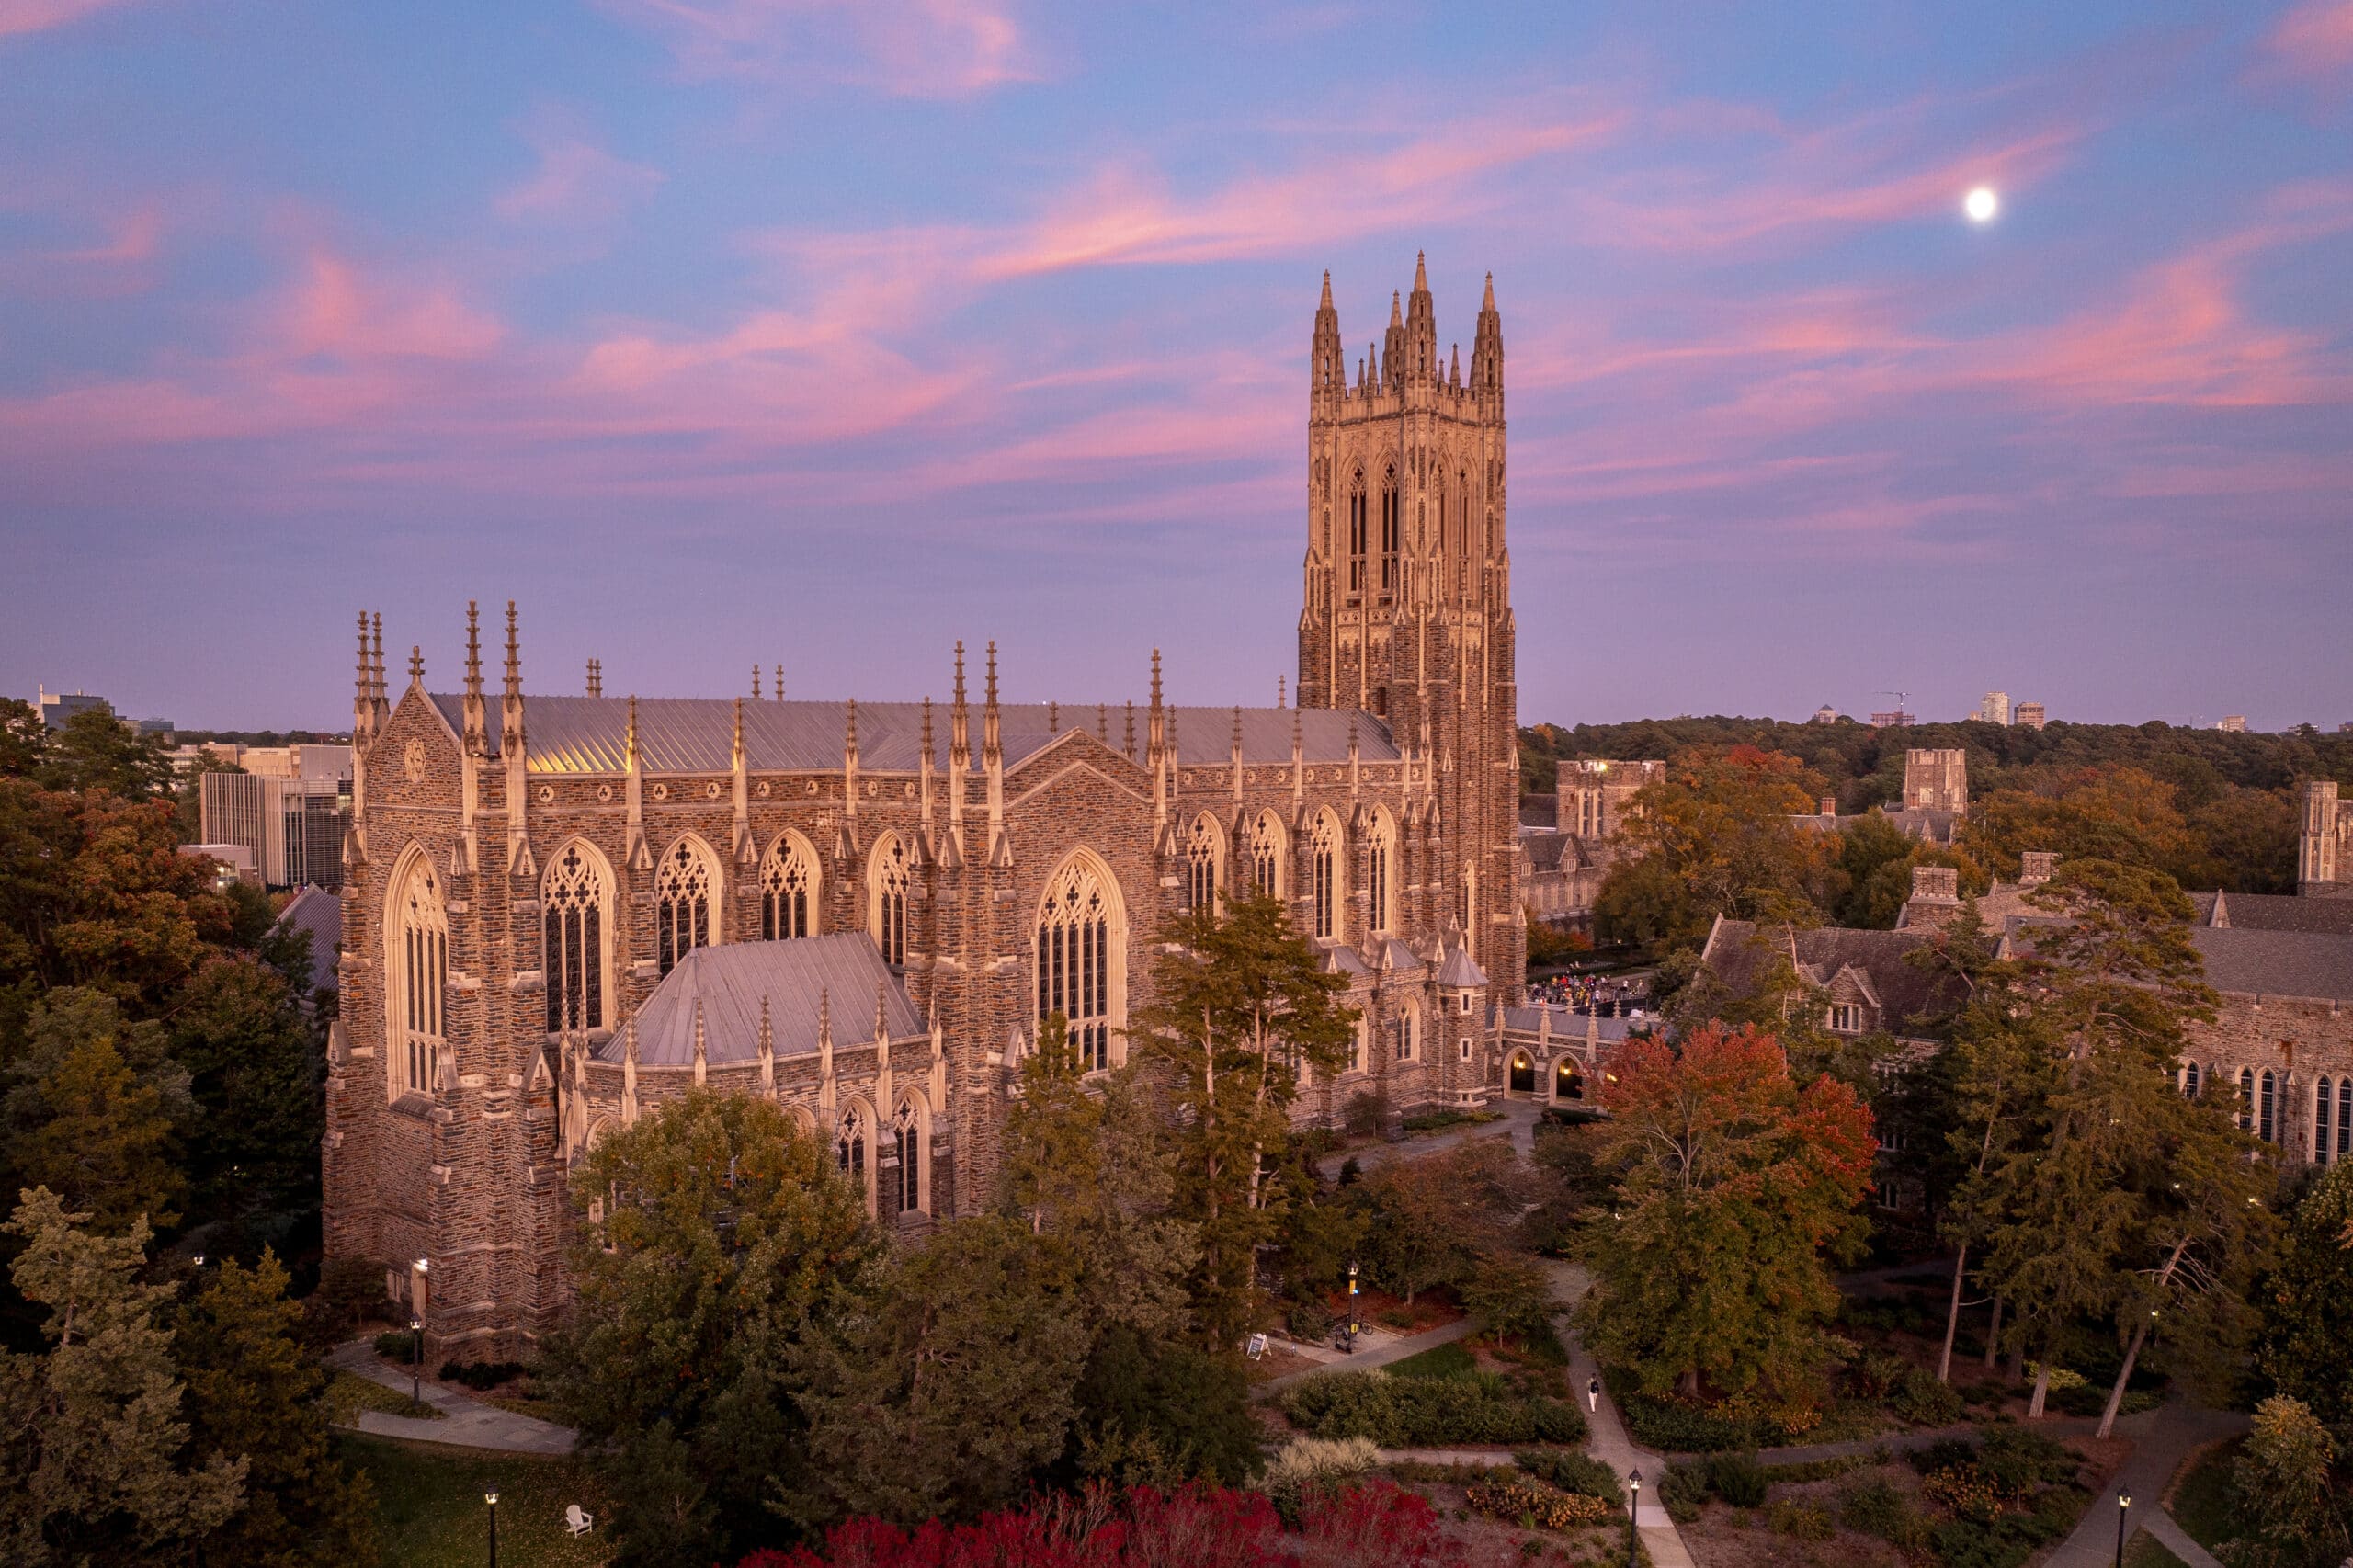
(577, 179)
(39, 15)
(339, 311)
(946, 49)
(2315, 40)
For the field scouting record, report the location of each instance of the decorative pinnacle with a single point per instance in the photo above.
(1281, 692)
(1327, 290)
(739, 725)
(1054, 718)
(1155, 677)
(882, 1010)
(632, 729)
(1396, 310)
(768, 1032)
(926, 729)
(850, 737)
(1103, 722)
(379, 655)
(416, 665)
(367, 667)
(1488, 303)
(515, 657)
(755, 682)
(959, 672)
(824, 1016)
(1421, 277)
(1237, 726)
(779, 682)
(1131, 729)
(473, 650)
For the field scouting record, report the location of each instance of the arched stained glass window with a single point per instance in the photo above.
(2266, 1096)
(1204, 848)
(575, 897)
(2324, 1097)
(2246, 1100)
(1078, 955)
(1264, 851)
(887, 895)
(1357, 537)
(1323, 856)
(417, 938)
(1380, 864)
(849, 1145)
(684, 889)
(2189, 1080)
(789, 890)
(1389, 522)
(907, 1137)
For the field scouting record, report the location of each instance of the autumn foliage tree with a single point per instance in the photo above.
(1731, 1182)
(1715, 837)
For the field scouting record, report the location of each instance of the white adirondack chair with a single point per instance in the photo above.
(575, 1521)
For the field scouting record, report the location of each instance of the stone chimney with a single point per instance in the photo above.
(2035, 868)
(1935, 898)
(1830, 805)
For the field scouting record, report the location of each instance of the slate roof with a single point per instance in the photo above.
(1540, 810)
(694, 734)
(2277, 964)
(1569, 1025)
(2277, 912)
(1460, 972)
(1906, 996)
(730, 979)
(1549, 851)
(318, 916)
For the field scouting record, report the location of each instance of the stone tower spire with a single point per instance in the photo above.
(1421, 327)
(477, 725)
(1392, 348)
(1327, 370)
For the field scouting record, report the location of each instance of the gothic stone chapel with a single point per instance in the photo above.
(560, 912)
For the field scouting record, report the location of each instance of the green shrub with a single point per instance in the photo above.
(1308, 1322)
(1674, 1426)
(1921, 1400)
(1879, 1508)
(1448, 1361)
(1310, 1466)
(399, 1344)
(1681, 1491)
(1807, 1521)
(1738, 1479)
(1573, 1472)
(1821, 1470)
(1876, 1374)
(2017, 1460)
(482, 1374)
(1537, 1504)
(1406, 1413)
(2091, 1401)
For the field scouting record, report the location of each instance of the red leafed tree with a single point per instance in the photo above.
(1378, 1526)
(1731, 1183)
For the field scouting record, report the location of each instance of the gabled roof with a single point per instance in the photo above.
(843, 970)
(1548, 851)
(2277, 911)
(1459, 972)
(1906, 994)
(694, 734)
(318, 916)
(1569, 1025)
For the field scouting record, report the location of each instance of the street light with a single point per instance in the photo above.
(1355, 1327)
(416, 1367)
(2123, 1501)
(1633, 1506)
(492, 1498)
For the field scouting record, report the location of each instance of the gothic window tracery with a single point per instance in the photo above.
(684, 889)
(1265, 853)
(1080, 951)
(907, 1143)
(1380, 864)
(1323, 855)
(849, 1150)
(574, 898)
(1357, 537)
(2323, 1091)
(887, 895)
(789, 890)
(417, 938)
(1204, 851)
(1389, 525)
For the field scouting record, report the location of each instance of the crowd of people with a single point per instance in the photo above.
(1610, 996)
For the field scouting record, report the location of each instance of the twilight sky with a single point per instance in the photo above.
(716, 331)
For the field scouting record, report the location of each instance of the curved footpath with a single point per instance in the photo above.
(465, 1424)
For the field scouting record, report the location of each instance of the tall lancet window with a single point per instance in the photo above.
(849, 1150)
(906, 1139)
(574, 899)
(1389, 524)
(887, 876)
(1264, 854)
(789, 890)
(1323, 870)
(417, 958)
(1203, 849)
(1357, 537)
(683, 891)
(1080, 949)
(1379, 863)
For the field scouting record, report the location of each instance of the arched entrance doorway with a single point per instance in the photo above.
(1568, 1084)
(1523, 1073)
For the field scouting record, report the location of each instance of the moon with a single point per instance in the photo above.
(1981, 204)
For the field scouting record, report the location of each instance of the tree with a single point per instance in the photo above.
(97, 751)
(1242, 1004)
(93, 1111)
(1715, 837)
(24, 739)
(1159, 1412)
(1875, 862)
(717, 1232)
(91, 1434)
(254, 1395)
(2121, 815)
(1731, 1183)
(256, 1072)
(2123, 1197)
(1436, 1219)
(937, 1386)
(2281, 1484)
(2308, 1303)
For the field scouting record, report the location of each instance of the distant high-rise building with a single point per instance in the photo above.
(292, 828)
(2030, 714)
(57, 707)
(1893, 721)
(1995, 709)
(2233, 724)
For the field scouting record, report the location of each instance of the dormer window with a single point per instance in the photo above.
(1845, 1018)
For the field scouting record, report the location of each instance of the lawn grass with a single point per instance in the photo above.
(1448, 1361)
(2147, 1552)
(2203, 1503)
(430, 1511)
(348, 1394)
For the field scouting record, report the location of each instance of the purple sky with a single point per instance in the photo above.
(716, 331)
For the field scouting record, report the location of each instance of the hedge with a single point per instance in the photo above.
(1414, 1413)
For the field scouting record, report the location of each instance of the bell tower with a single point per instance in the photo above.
(1406, 610)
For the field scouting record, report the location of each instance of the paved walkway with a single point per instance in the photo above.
(1363, 1360)
(1519, 1124)
(2161, 1438)
(465, 1424)
(1610, 1442)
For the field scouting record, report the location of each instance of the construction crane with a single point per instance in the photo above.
(1903, 714)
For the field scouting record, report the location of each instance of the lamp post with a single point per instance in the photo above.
(416, 1364)
(492, 1498)
(1633, 1506)
(2123, 1501)
(1355, 1327)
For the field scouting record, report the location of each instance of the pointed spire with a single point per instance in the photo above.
(474, 651)
(849, 739)
(1282, 692)
(926, 731)
(703, 1045)
(825, 1019)
(1054, 718)
(1396, 310)
(1455, 375)
(1103, 722)
(991, 686)
(596, 678)
(1155, 677)
(959, 672)
(779, 682)
(515, 656)
(630, 740)
(1421, 276)
(767, 1050)
(737, 746)
(1237, 730)
(1131, 747)
(366, 688)
(1327, 302)
(755, 682)
(881, 1011)
(1489, 302)
(379, 657)
(416, 665)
